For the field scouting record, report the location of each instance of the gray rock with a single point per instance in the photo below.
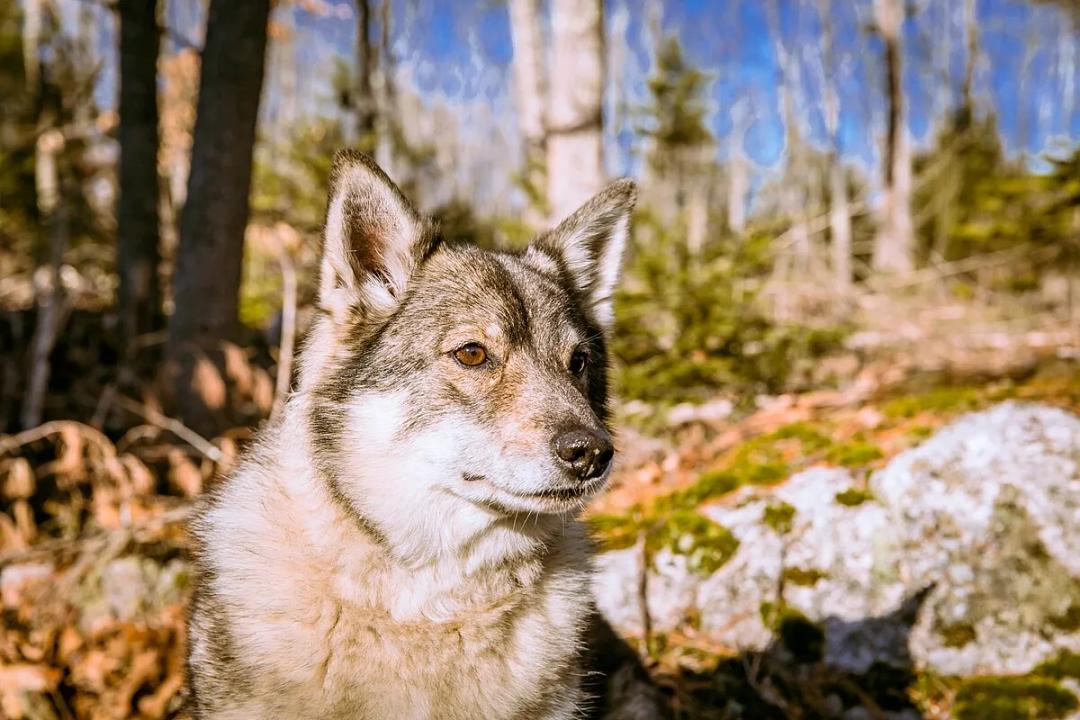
(963, 561)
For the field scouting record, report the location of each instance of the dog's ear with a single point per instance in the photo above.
(589, 245)
(372, 242)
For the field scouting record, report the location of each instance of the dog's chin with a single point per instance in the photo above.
(555, 498)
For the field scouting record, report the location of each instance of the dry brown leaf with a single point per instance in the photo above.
(20, 482)
(24, 520)
(155, 704)
(262, 391)
(184, 475)
(238, 371)
(209, 384)
(26, 677)
(69, 467)
(140, 479)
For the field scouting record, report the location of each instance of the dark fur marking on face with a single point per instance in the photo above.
(326, 422)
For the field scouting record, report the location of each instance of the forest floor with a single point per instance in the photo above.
(93, 551)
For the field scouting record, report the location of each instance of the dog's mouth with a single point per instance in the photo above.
(559, 496)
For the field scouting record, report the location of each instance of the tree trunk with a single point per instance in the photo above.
(839, 213)
(793, 194)
(206, 280)
(364, 99)
(49, 296)
(531, 96)
(971, 32)
(839, 225)
(575, 151)
(736, 192)
(387, 125)
(138, 235)
(894, 244)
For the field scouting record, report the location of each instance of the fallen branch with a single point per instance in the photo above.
(177, 428)
(10, 443)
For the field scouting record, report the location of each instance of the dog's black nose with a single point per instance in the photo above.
(586, 452)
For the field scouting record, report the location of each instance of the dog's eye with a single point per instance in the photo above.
(471, 354)
(578, 361)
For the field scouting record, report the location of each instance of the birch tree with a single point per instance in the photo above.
(530, 93)
(792, 195)
(839, 211)
(575, 150)
(894, 243)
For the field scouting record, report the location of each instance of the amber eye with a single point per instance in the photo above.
(578, 361)
(471, 354)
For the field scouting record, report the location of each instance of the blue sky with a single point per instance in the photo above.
(460, 52)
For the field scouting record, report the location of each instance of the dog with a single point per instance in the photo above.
(403, 542)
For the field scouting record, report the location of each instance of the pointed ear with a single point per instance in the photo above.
(589, 245)
(372, 242)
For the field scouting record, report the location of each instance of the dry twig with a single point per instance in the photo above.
(182, 431)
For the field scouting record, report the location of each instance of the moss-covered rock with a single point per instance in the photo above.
(983, 514)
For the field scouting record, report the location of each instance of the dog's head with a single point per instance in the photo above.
(448, 374)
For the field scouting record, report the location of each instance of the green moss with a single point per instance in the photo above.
(808, 436)
(1059, 667)
(615, 532)
(854, 454)
(779, 516)
(803, 576)
(1013, 698)
(706, 545)
(709, 485)
(854, 496)
(938, 400)
(920, 432)
(756, 462)
(957, 635)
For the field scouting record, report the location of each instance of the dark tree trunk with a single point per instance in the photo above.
(365, 66)
(206, 279)
(137, 209)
